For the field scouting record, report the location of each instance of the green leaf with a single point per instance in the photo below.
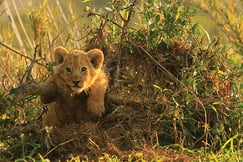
(241, 86)
(195, 28)
(185, 22)
(240, 105)
(157, 18)
(167, 1)
(217, 42)
(151, 26)
(151, 1)
(141, 35)
(224, 48)
(230, 62)
(238, 64)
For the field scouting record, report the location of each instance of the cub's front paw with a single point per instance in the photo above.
(95, 108)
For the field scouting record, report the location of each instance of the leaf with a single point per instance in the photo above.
(240, 105)
(218, 103)
(108, 9)
(178, 13)
(238, 64)
(195, 28)
(156, 86)
(157, 18)
(151, 26)
(214, 109)
(224, 48)
(167, 1)
(85, 1)
(4, 116)
(230, 7)
(150, 1)
(230, 62)
(141, 35)
(185, 22)
(220, 71)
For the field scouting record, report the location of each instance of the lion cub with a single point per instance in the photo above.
(81, 86)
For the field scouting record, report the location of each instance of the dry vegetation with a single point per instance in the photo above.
(171, 97)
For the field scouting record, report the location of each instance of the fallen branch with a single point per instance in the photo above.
(32, 88)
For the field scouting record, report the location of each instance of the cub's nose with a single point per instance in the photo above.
(76, 82)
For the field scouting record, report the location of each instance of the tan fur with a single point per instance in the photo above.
(81, 87)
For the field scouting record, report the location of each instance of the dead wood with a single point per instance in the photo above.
(32, 88)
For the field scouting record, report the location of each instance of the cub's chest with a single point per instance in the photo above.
(77, 101)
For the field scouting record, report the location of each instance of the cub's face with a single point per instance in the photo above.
(78, 69)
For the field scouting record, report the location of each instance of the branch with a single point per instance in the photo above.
(27, 73)
(32, 88)
(92, 13)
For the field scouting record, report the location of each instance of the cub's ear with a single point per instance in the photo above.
(96, 58)
(59, 54)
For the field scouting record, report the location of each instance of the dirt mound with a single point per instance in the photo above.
(132, 119)
(124, 131)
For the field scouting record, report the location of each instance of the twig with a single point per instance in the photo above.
(61, 144)
(212, 43)
(124, 28)
(176, 80)
(27, 73)
(93, 143)
(91, 13)
(19, 53)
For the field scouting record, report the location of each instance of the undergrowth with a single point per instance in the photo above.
(182, 99)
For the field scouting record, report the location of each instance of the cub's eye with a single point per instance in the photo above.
(83, 69)
(68, 70)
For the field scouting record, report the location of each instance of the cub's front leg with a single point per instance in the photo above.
(61, 89)
(95, 101)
